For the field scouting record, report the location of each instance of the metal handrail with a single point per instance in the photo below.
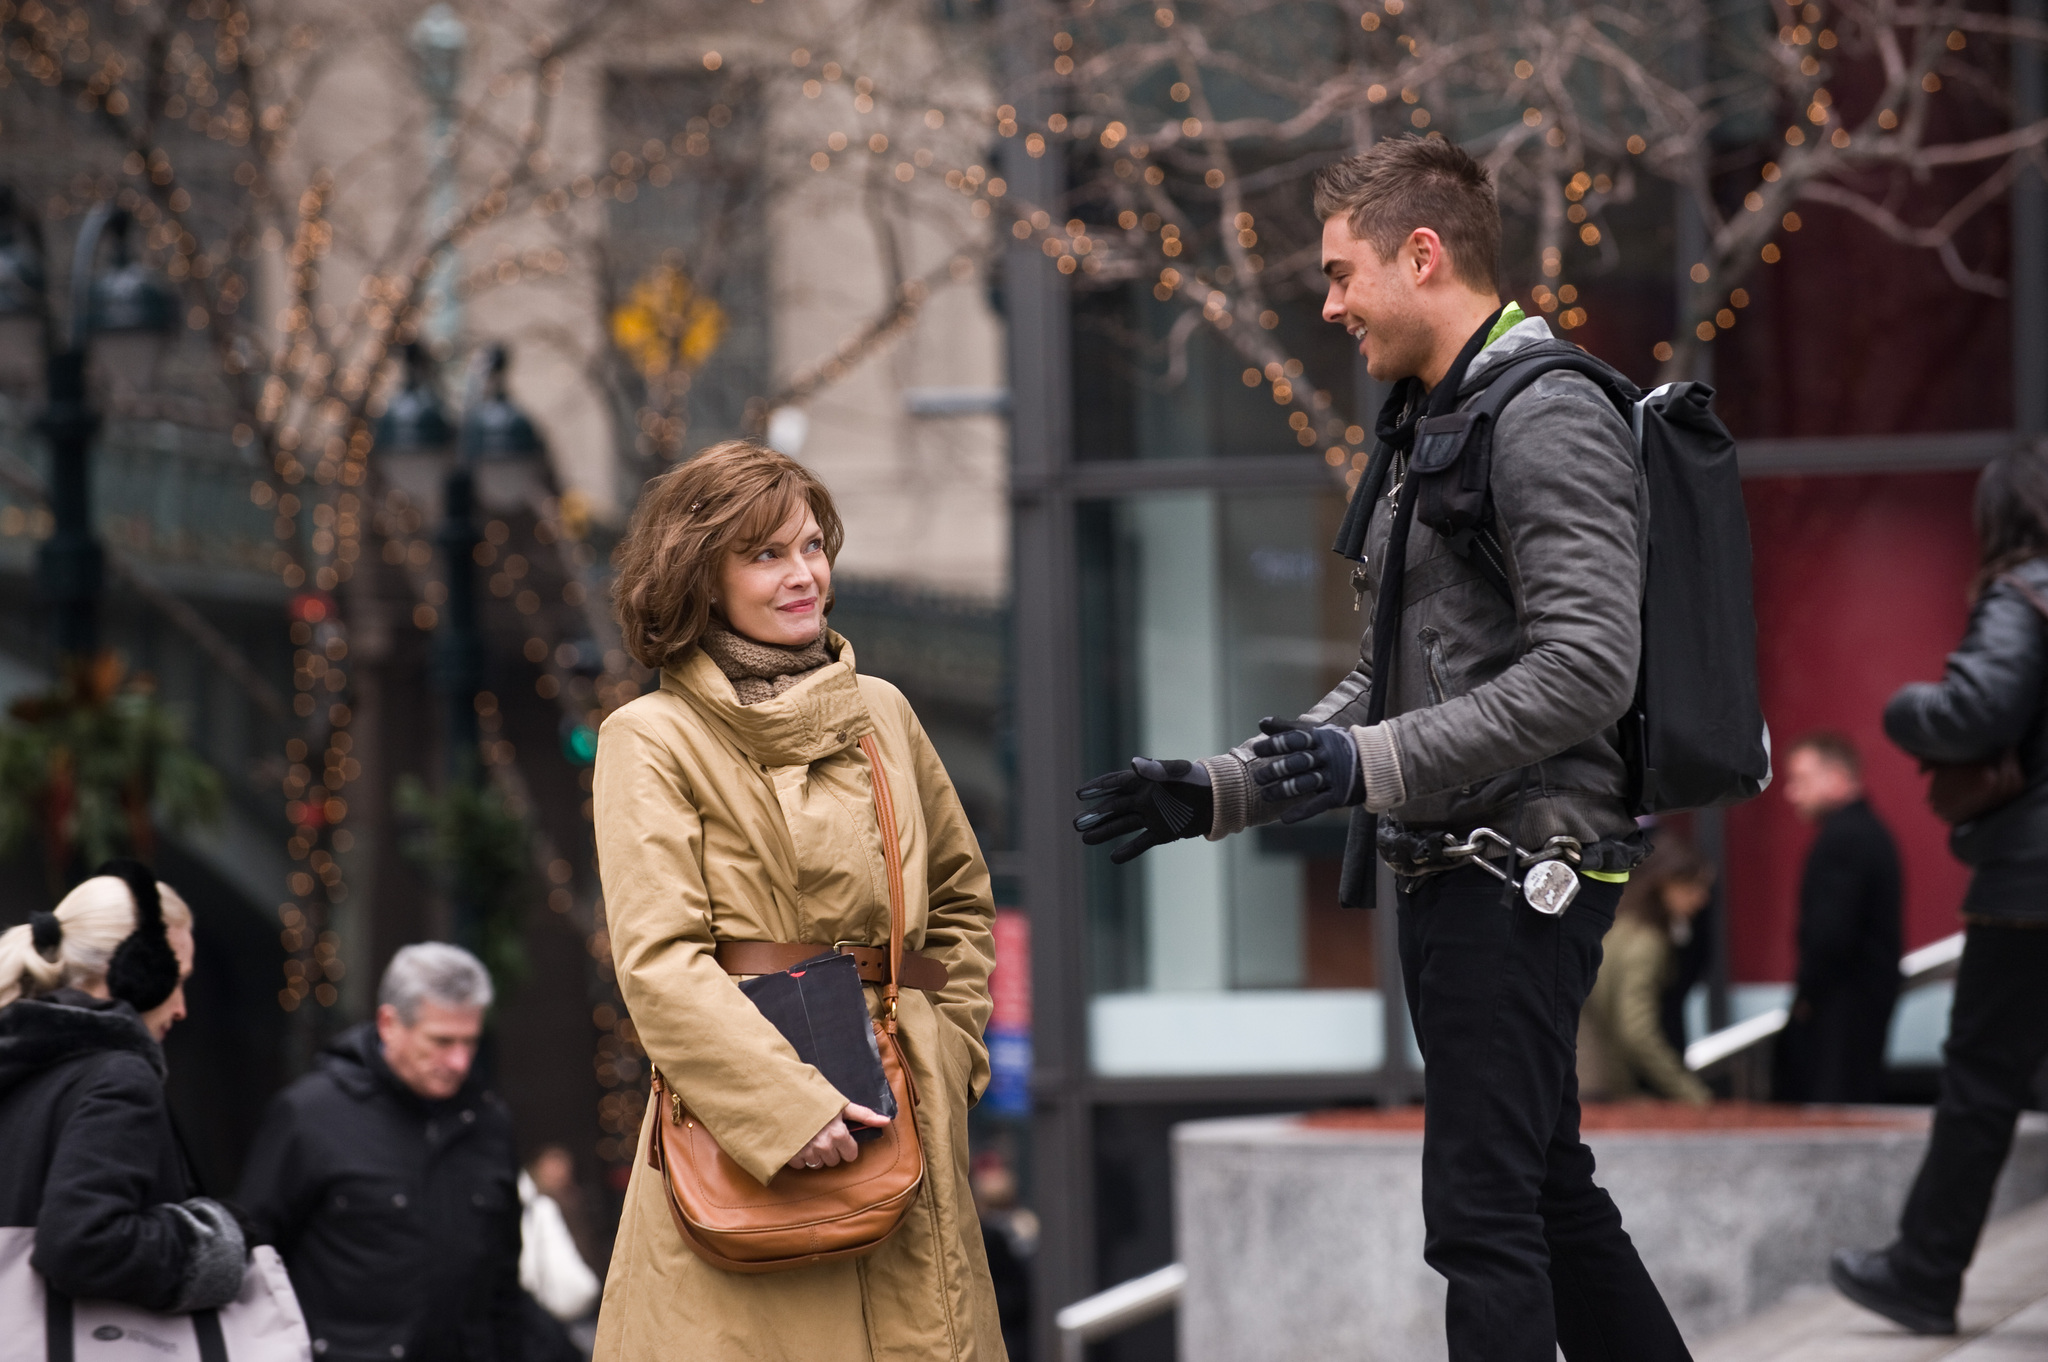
(1117, 1309)
(1730, 1041)
(1740, 1044)
(1936, 960)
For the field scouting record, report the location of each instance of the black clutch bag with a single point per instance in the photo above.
(819, 1008)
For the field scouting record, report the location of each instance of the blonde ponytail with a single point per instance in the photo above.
(23, 968)
(94, 918)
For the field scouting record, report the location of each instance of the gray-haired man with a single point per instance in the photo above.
(387, 1178)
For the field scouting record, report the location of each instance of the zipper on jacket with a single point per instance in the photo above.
(1433, 656)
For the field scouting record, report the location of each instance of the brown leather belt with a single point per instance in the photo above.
(767, 957)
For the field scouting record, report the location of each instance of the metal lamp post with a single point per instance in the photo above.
(459, 651)
(129, 315)
(24, 316)
(498, 458)
(440, 42)
(496, 442)
(501, 445)
(415, 438)
(416, 445)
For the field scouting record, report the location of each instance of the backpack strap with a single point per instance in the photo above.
(1547, 357)
(1484, 549)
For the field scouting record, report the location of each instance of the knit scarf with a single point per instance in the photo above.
(762, 671)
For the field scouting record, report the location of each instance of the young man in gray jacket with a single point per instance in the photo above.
(1508, 660)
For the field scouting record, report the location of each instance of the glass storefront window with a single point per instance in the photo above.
(1148, 385)
(1202, 611)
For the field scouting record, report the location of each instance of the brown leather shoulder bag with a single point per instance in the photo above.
(803, 1216)
(1964, 791)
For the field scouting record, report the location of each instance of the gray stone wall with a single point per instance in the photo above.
(1304, 1244)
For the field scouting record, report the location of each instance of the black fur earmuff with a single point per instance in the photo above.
(144, 970)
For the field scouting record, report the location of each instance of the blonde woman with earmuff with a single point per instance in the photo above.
(87, 994)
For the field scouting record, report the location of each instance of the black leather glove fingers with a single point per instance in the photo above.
(1312, 767)
(1160, 801)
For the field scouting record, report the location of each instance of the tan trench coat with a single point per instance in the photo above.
(717, 821)
(1622, 1049)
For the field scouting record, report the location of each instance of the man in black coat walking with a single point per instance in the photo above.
(1833, 1051)
(387, 1179)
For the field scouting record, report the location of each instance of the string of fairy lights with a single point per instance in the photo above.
(1580, 192)
(308, 417)
(313, 394)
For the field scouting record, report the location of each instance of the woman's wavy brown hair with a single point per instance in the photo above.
(729, 499)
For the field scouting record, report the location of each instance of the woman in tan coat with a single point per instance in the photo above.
(1622, 1049)
(734, 805)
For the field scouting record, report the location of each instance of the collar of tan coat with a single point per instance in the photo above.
(821, 715)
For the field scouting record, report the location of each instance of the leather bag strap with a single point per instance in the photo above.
(768, 957)
(892, 856)
(2033, 597)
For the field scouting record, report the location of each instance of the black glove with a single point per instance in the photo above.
(1161, 801)
(1316, 764)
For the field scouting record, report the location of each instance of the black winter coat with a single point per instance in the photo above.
(1849, 910)
(1989, 700)
(397, 1217)
(1848, 963)
(89, 1159)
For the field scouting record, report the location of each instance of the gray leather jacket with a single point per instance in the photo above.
(1485, 695)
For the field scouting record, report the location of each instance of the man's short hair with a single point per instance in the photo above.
(1401, 183)
(436, 970)
(1831, 745)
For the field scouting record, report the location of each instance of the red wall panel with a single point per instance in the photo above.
(1859, 588)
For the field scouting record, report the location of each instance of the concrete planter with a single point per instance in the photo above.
(1303, 1236)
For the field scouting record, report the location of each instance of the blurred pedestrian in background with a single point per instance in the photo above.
(553, 1170)
(1848, 982)
(736, 809)
(1987, 708)
(387, 1180)
(1009, 1232)
(88, 1156)
(1623, 1049)
(551, 1268)
(1692, 955)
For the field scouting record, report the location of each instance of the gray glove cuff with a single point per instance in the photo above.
(1380, 762)
(213, 1275)
(1230, 795)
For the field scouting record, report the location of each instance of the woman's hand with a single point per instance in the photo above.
(834, 1144)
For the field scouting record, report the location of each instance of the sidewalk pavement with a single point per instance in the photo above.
(2004, 1316)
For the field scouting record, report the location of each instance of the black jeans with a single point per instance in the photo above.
(1997, 1040)
(1533, 1250)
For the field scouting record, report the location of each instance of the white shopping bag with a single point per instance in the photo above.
(262, 1324)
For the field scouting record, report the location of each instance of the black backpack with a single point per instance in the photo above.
(1695, 737)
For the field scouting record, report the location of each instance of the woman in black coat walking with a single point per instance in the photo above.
(1988, 702)
(87, 993)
